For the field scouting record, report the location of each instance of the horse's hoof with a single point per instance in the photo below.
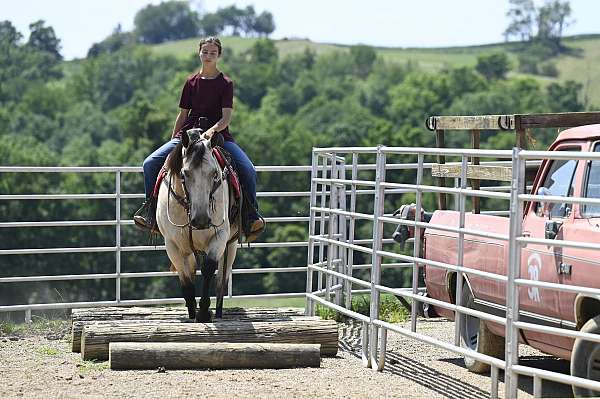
(204, 316)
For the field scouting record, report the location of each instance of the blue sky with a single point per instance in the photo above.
(393, 23)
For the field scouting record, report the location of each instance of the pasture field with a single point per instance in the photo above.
(581, 66)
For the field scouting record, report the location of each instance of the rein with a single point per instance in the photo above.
(185, 202)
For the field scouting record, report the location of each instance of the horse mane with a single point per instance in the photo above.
(174, 161)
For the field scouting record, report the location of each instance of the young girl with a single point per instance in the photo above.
(207, 96)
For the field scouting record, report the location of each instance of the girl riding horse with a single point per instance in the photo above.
(206, 96)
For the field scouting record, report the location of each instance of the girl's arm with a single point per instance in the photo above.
(221, 124)
(179, 122)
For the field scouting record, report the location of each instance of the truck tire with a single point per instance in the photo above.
(585, 359)
(475, 335)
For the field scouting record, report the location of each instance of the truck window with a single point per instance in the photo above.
(558, 182)
(592, 187)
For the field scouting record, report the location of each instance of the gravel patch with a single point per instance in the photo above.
(41, 365)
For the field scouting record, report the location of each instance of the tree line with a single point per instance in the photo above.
(116, 107)
(175, 20)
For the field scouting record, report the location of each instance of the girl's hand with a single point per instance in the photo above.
(208, 134)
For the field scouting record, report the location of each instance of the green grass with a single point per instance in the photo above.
(87, 366)
(390, 309)
(48, 351)
(265, 303)
(39, 326)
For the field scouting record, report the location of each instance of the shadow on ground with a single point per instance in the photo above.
(449, 386)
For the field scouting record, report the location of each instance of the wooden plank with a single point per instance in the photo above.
(479, 122)
(81, 317)
(475, 138)
(96, 337)
(439, 142)
(78, 325)
(480, 172)
(566, 119)
(217, 355)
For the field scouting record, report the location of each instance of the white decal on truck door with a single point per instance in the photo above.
(534, 264)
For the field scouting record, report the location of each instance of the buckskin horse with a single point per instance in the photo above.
(193, 216)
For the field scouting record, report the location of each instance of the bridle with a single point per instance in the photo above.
(185, 202)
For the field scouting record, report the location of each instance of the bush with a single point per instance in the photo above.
(390, 309)
(548, 69)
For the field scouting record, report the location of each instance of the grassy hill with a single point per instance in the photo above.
(582, 68)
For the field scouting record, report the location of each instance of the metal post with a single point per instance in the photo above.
(350, 263)
(322, 221)
(416, 246)
(494, 378)
(343, 231)
(475, 183)
(514, 268)
(118, 236)
(28, 316)
(462, 199)
(376, 258)
(310, 306)
(332, 227)
(537, 386)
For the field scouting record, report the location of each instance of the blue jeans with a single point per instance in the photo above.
(154, 162)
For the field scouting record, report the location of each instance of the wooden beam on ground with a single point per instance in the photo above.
(96, 337)
(216, 355)
(173, 314)
(78, 325)
(479, 172)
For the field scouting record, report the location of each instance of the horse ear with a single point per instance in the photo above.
(185, 140)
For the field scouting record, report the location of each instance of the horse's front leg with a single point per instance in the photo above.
(208, 271)
(186, 269)
(225, 265)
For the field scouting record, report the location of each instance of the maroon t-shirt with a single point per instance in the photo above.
(206, 98)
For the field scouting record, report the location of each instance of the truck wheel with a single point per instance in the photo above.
(585, 359)
(475, 335)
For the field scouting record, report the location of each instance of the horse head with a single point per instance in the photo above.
(203, 183)
(404, 232)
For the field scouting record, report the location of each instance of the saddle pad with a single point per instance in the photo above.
(232, 175)
(159, 179)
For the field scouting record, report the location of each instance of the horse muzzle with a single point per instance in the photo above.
(200, 222)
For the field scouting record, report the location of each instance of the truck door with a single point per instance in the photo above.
(580, 266)
(538, 262)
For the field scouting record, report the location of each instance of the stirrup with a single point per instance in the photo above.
(254, 233)
(145, 217)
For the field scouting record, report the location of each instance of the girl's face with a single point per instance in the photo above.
(209, 53)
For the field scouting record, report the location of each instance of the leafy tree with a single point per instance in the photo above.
(232, 18)
(264, 24)
(44, 39)
(522, 14)
(171, 20)
(553, 17)
(565, 97)
(212, 24)
(493, 66)
(114, 42)
(364, 57)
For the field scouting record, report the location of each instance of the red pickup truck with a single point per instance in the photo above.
(538, 262)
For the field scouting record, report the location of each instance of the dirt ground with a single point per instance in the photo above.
(40, 364)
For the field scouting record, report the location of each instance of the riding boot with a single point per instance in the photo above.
(145, 217)
(257, 226)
